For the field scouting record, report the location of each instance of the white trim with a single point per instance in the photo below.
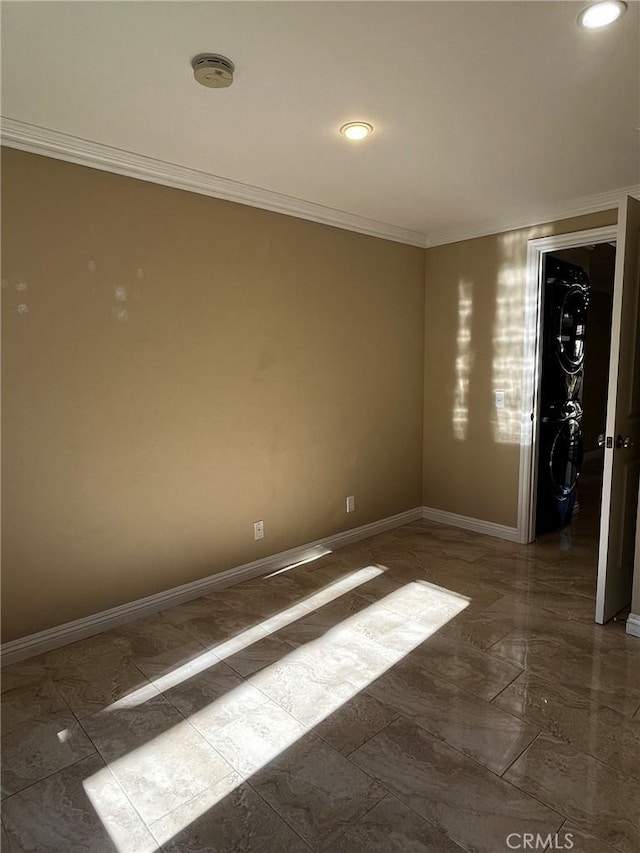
(633, 625)
(489, 528)
(61, 146)
(70, 632)
(531, 364)
(556, 242)
(530, 218)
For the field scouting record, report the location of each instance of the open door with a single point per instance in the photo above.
(622, 437)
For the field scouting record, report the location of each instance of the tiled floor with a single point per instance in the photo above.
(428, 690)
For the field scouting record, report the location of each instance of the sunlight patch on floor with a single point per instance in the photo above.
(295, 693)
(248, 637)
(312, 554)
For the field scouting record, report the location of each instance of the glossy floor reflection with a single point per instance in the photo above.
(427, 690)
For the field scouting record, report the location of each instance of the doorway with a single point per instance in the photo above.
(621, 437)
(576, 309)
(576, 247)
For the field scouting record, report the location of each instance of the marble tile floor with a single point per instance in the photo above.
(428, 690)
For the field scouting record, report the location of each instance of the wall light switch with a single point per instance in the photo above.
(351, 503)
(499, 399)
(258, 530)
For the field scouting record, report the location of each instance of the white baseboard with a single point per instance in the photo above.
(70, 632)
(489, 528)
(633, 625)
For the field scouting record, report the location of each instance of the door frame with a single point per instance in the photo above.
(532, 364)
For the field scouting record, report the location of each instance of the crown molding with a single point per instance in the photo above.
(61, 146)
(529, 218)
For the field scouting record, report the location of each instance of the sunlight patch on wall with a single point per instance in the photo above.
(464, 360)
(508, 341)
(530, 367)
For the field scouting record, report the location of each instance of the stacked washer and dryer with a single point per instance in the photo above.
(566, 300)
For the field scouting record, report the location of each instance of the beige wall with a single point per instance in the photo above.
(474, 321)
(266, 367)
(260, 366)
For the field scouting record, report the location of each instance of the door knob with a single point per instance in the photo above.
(624, 441)
(601, 440)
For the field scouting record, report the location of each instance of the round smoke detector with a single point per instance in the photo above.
(213, 70)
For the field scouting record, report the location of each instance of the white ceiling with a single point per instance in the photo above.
(480, 109)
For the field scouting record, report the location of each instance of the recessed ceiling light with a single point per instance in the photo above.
(601, 14)
(355, 130)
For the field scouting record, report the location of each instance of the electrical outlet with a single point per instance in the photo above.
(258, 530)
(351, 503)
